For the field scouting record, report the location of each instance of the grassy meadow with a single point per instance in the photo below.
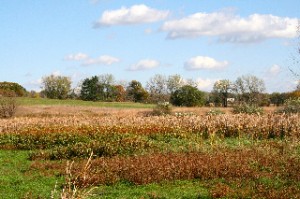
(70, 148)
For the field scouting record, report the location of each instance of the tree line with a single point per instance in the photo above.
(246, 89)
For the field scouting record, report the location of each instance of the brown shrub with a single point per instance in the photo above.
(8, 107)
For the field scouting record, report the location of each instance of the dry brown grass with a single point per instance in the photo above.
(264, 158)
(41, 110)
(74, 110)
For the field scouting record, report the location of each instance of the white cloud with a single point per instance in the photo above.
(144, 65)
(202, 62)
(76, 57)
(228, 27)
(274, 70)
(56, 73)
(34, 85)
(102, 60)
(136, 14)
(205, 84)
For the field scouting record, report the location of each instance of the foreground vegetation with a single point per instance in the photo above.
(134, 154)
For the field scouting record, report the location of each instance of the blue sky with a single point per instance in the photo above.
(199, 39)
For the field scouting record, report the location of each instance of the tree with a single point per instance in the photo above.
(221, 90)
(120, 93)
(294, 94)
(157, 88)
(278, 99)
(99, 88)
(191, 82)
(188, 96)
(12, 88)
(298, 86)
(90, 89)
(174, 82)
(56, 87)
(136, 92)
(107, 83)
(249, 88)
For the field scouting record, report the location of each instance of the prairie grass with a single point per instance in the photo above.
(224, 155)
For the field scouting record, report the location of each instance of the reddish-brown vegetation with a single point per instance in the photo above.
(262, 162)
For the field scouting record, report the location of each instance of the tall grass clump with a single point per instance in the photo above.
(74, 181)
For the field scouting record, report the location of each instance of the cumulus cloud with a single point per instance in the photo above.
(228, 27)
(144, 65)
(56, 73)
(34, 85)
(274, 70)
(136, 14)
(102, 60)
(202, 62)
(205, 84)
(76, 57)
(87, 60)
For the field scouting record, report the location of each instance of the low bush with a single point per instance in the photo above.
(290, 106)
(8, 107)
(162, 108)
(215, 112)
(247, 109)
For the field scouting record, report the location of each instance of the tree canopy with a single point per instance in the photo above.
(56, 87)
(136, 92)
(12, 88)
(188, 96)
(248, 89)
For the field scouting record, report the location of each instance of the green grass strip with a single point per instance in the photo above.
(70, 102)
(16, 183)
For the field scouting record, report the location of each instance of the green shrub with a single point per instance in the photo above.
(215, 112)
(162, 108)
(188, 96)
(290, 106)
(248, 109)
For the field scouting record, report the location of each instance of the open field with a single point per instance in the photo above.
(44, 152)
(70, 102)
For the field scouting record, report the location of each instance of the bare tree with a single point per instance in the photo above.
(248, 88)
(222, 88)
(174, 82)
(157, 88)
(107, 81)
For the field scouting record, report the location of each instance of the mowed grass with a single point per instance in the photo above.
(16, 182)
(26, 101)
(178, 189)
